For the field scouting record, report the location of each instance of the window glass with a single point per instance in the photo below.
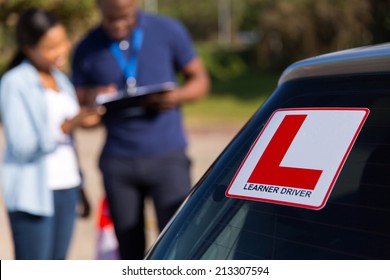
(355, 222)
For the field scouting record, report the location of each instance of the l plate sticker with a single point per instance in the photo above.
(298, 156)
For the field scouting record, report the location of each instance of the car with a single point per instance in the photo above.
(307, 177)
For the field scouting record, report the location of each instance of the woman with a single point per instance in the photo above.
(39, 111)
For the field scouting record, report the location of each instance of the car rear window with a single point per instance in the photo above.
(354, 223)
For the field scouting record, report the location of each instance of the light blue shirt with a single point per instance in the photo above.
(24, 115)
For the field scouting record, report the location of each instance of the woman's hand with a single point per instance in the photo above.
(87, 117)
(90, 117)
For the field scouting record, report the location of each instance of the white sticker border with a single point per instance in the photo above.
(330, 188)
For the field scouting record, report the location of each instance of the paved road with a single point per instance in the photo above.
(205, 145)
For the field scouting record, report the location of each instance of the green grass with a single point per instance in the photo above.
(234, 101)
(221, 110)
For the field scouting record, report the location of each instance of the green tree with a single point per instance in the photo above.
(380, 26)
(76, 15)
(295, 29)
(283, 30)
(198, 16)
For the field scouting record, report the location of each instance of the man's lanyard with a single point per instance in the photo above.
(129, 66)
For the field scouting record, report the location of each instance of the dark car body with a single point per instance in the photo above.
(308, 177)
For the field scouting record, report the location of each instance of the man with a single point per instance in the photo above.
(144, 153)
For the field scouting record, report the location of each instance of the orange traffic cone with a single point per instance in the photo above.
(107, 244)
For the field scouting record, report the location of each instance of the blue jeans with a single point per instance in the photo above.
(45, 238)
(127, 181)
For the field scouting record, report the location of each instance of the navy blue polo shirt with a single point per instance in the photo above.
(166, 49)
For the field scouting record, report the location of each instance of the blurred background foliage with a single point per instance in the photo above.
(239, 40)
(236, 35)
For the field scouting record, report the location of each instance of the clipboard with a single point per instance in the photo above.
(115, 103)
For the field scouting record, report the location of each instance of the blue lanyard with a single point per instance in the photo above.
(129, 66)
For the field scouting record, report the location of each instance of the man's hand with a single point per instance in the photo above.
(162, 101)
(87, 95)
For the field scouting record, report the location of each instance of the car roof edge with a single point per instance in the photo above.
(358, 60)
